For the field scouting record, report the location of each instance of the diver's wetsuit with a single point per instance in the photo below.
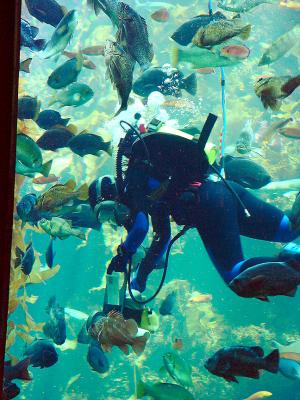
(220, 220)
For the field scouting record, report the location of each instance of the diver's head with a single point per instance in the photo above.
(102, 189)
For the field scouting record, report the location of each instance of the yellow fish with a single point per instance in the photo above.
(259, 395)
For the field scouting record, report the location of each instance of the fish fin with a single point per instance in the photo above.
(25, 65)
(258, 351)
(72, 128)
(23, 371)
(71, 184)
(175, 56)
(95, 5)
(124, 348)
(245, 33)
(230, 378)
(37, 111)
(64, 10)
(190, 84)
(263, 298)
(272, 361)
(291, 85)
(141, 390)
(81, 235)
(292, 293)
(83, 192)
(122, 108)
(139, 344)
(39, 44)
(131, 327)
(45, 169)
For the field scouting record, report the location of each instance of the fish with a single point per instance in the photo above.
(25, 259)
(109, 7)
(29, 158)
(246, 172)
(267, 132)
(81, 316)
(154, 4)
(219, 31)
(201, 58)
(280, 46)
(87, 63)
(55, 138)
(293, 5)
(163, 391)
(242, 6)
(267, 279)
(83, 217)
(246, 361)
(185, 33)
(291, 133)
(50, 254)
(28, 34)
(58, 227)
(206, 71)
(83, 336)
(10, 390)
(25, 65)
(26, 209)
(114, 330)
(55, 328)
(49, 118)
(42, 180)
(74, 95)
(47, 11)
(61, 194)
(291, 356)
(271, 90)
(181, 104)
(28, 107)
(245, 139)
(293, 347)
(237, 51)
(66, 73)
(120, 66)
(133, 36)
(17, 371)
(167, 304)
(88, 143)
(178, 369)
(96, 358)
(289, 368)
(62, 36)
(161, 15)
(177, 344)
(166, 80)
(197, 297)
(41, 353)
(259, 395)
(97, 50)
(295, 213)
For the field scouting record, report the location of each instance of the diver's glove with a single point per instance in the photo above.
(119, 262)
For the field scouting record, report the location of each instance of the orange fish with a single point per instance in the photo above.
(114, 330)
(293, 133)
(161, 15)
(177, 344)
(180, 104)
(236, 51)
(294, 5)
(94, 51)
(43, 180)
(201, 298)
(205, 71)
(291, 356)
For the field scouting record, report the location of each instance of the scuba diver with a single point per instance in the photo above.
(221, 210)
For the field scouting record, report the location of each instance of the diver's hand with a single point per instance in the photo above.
(119, 262)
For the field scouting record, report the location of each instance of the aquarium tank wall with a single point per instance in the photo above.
(155, 246)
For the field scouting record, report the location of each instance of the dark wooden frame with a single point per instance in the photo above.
(9, 65)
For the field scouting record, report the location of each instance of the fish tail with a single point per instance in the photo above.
(109, 148)
(83, 192)
(79, 234)
(175, 56)
(95, 5)
(291, 85)
(272, 361)
(23, 372)
(122, 108)
(45, 169)
(25, 65)
(190, 84)
(245, 32)
(39, 44)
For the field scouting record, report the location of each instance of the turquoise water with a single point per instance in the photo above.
(204, 327)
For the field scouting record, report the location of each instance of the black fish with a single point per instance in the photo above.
(25, 259)
(55, 328)
(55, 138)
(18, 371)
(49, 118)
(50, 254)
(168, 82)
(246, 172)
(96, 358)
(267, 279)
(185, 33)
(42, 353)
(66, 73)
(28, 107)
(88, 143)
(10, 390)
(230, 362)
(28, 34)
(48, 11)
(167, 304)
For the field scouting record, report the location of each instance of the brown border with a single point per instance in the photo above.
(9, 64)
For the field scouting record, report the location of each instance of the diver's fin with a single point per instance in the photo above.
(190, 84)
(272, 361)
(45, 169)
(245, 33)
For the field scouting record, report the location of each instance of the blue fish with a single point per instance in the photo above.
(28, 34)
(42, 353)
(167, 304)
(50, 254)
(96, 358)
(48, 11)
(26, 210)
(289, 368)
(25, 259)
(10, 390)
(28, 107)
(48, 118)
(55, 328)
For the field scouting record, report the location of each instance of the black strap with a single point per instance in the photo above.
(206, 131)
